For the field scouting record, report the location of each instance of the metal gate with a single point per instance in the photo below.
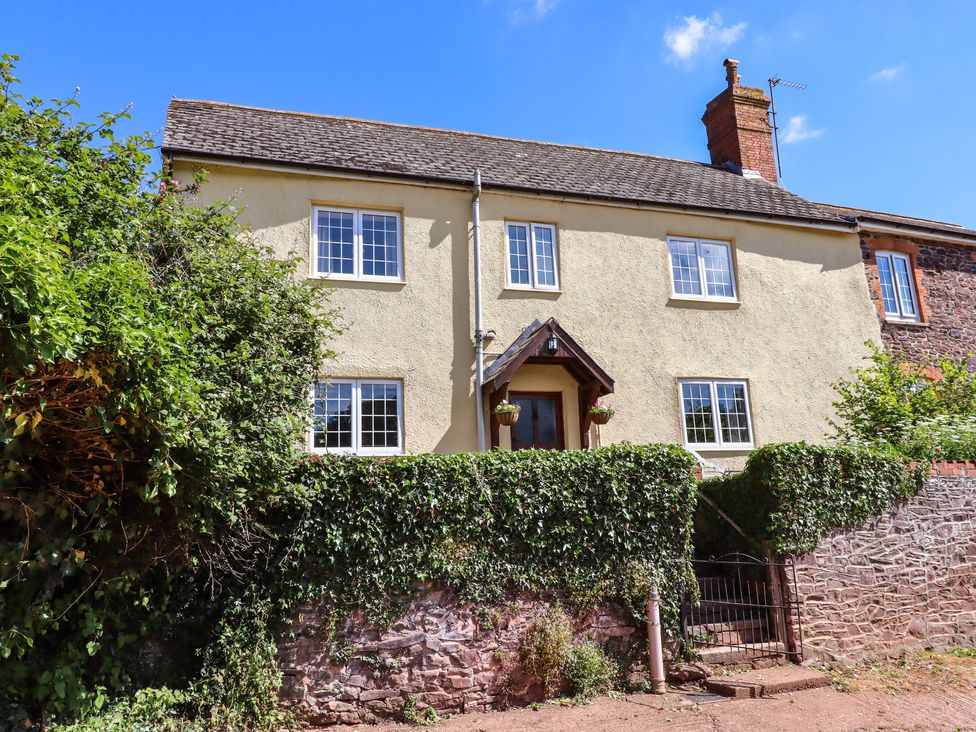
(743, 610)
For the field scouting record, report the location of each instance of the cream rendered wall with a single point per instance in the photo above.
(803, 316)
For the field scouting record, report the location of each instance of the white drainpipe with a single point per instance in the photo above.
(479, 332)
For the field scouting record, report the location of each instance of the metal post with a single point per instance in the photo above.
(655, 648)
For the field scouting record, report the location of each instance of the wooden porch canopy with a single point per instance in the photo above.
(532, 347)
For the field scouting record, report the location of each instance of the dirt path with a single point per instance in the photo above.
(816, 710)
(920, 693)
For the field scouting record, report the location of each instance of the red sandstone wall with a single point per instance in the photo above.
(945, 279)
(902, 581)
(445, 654)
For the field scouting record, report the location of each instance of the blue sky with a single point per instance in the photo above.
(885, 123)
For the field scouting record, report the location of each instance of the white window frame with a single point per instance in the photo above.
(533, 266)
(702, 283)
(719, 444)
(357, 245)
(900, 316)
(357, 431)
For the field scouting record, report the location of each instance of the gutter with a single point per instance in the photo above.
(867, 224)
(839, 225)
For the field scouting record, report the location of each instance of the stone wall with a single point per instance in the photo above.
(902, 581)
(451, 656)
(945, 282)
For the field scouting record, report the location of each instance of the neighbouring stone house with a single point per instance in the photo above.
(689, 295)
(922, 279)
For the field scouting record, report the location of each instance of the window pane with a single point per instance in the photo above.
(380, 246)
(903, 280)
(697, 404)
(684, 268)
(335, 242)
(518, 254)
(522, 431)
(546, 411)
(732, 412)
(379, 420)
(718, 269)
(332, 425)
(886, 276)
(545, 257)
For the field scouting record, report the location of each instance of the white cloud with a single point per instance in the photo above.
(698, 35)
(889, 73)
(537, 9)
(797, 130)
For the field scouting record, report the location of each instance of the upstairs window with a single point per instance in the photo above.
(532, 257)
(701, 269)
(350, 244)
(715, 414)
(358, 416)
(897, 287)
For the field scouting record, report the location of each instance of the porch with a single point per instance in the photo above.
(554, 381)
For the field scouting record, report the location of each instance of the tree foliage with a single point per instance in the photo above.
(885, 400)
(153, 379)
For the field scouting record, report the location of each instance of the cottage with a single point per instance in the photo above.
(705, 303)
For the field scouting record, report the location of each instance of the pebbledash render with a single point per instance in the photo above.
(707, 305)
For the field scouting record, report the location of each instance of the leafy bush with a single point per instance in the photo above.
(941, 438)
(545, 648)
(485, 524)
(884, 401)
(153, 385)
(588, 670)
(794, 494)
(149, 710)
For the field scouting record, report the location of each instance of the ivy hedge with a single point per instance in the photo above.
(597, 525)
(792, 495)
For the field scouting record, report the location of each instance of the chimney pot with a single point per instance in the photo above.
(731, 71)
(738, 127)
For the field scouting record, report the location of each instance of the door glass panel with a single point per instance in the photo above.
(522, 435)
(546, 422)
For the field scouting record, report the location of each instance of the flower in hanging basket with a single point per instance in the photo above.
(600, 412)
(507, 413)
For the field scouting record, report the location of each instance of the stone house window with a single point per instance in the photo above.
(357, 416)
(701, 269)
(715, 414)
(351, 244)
(897, 287)
(533, 258)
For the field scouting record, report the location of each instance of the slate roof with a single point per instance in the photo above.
(237, 133)
(911, 225)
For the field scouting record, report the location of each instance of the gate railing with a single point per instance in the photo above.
(744, 608)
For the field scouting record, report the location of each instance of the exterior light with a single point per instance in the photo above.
(552, 344)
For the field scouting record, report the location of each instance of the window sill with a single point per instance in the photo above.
(676, 301)
(906, 323)
(720, 448)
(533, 290)
(356, 280)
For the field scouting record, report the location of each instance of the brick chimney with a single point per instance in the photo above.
(737, 123)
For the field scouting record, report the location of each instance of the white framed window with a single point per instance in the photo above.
(701, 269)
(715, 414)
(897, 287)
(533, 259)
(357, 416)
(355, 244)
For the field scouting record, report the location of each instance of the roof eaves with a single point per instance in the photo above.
(838, 221)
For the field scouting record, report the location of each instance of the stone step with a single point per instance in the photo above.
(752, 630)
(767, 682)
(718, 655)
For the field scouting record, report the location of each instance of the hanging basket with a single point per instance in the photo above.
(600, 417)
(507, 418)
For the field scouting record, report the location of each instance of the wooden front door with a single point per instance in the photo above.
(540, 423)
